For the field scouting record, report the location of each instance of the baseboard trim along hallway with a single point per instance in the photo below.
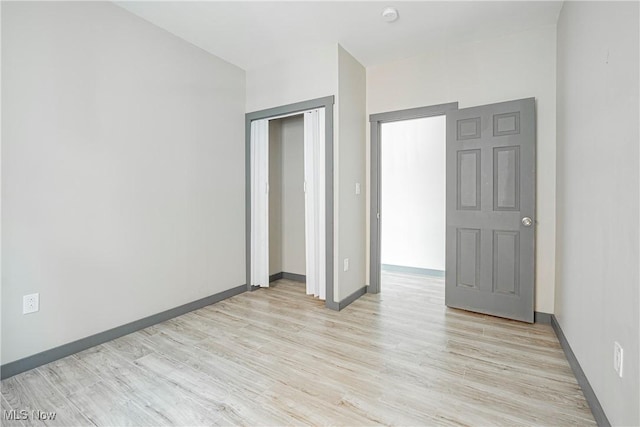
(412, 270)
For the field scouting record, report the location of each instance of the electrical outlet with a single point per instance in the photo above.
(617, 358)
(346, 264)
(30, 303)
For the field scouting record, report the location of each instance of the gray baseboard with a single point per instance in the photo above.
(13, 368)
(288, 276)
(412, 270)
(337, 306)
(351, 298)
(275, 277)
(583, 382)
(295, 277)
(539, 317)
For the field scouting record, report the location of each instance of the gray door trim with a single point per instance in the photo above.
(326, 103)
(376, 121)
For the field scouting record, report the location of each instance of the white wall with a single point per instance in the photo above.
(413, 193)
(350, 167)
(122, 172)
(487, 71)
(311, 74)
(293, 238)
(597, 287)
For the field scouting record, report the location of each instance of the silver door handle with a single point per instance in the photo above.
(526, 221)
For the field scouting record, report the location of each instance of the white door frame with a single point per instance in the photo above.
(300, 107)
(376, 121)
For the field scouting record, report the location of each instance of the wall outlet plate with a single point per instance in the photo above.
(618, 358)
(30, 303)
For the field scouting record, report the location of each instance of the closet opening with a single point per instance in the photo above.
(287, 250)
(289, 196)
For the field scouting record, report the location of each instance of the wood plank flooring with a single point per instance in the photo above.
(278, 357)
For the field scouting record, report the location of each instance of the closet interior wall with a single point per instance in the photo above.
(286, 196)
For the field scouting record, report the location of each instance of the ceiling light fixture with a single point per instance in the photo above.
(390, 14)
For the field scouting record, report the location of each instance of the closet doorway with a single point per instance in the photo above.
(289, 196)
(287, 250)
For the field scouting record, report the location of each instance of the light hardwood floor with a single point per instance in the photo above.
(278, 357)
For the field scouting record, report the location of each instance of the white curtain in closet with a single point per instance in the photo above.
(260, 203)
(314, 176)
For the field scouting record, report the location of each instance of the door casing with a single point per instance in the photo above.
(299, 107)
(375, 216)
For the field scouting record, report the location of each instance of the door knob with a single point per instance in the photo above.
(526, 221)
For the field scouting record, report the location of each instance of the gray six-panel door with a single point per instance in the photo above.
(490, 209)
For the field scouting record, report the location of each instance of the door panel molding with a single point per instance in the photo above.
(469, 190)
(506, 124)
(503, 185)
(506, 268)
(468, 129)
(468, 253)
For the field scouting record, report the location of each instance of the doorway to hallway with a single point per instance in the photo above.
(408, 192)
(490, 205)
(413, 196)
